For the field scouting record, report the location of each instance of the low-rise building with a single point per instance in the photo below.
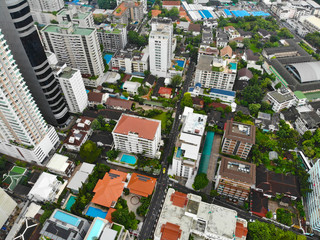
(226, 52)
(307, 121)
(281, 99)
(235, 179)
(170, 4)
(245, 74)
(80, 177)
(215, 72)
(165, 92)
(187, 154)
(61, 165)
(96, 98)
(185, 215)
(138, 135)
(266, 122)
(312, 23)
(45, 189)
(112, 37)
(224, 95)
(141, 185)
(207, 50)
(63, 225)
(238, 139)
(118, 103)
(131, 87)
(221, 38)
(231, 32)
(7, 206)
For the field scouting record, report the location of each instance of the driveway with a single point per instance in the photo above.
(214, 157)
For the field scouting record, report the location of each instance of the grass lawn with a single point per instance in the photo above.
(116, 227)
(18, 170)
(135, 79)
(163, 118)
(254, 48)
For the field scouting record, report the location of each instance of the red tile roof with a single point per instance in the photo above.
(227, 50)
(216, 105)
(165, 90)
(123, 175)
(95, 97)
(109, 217)
(179, 199)
(144, 127)
(108, 190)
(171, 3)
(141, 185)
(155, 13)
(170, 231)
(241, 231)
(119, 103)
(120, 9)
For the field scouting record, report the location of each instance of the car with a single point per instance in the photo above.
(179, 116)
(164, 170)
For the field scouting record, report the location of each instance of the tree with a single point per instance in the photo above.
(176, 81)
(99, 18)
(186, 101)
(222, 23)
(254, 108)
(246, 42)
(269, 214)
(113, 154)
(285, 33)
(200, 181)
(89, 151)
(3, 163)
(307, 135)
(284, 216)
(96, 125)
(135, 38)
(173, 12)
(146, 73)
(233, 45)
(125, 218)
(252, 94)
(274, 38)
(107, 4)
(278, 85)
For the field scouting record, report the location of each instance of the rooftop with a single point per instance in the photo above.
(238, 170)
(78, 15)
(144, 127)
(119, 103)
(281, 97)
(223, 92)
(58, 163)
(109, 189)
(60, 29)
(239, 131)
(68, 73)
(314, 21)
(165, 90)
(171, 3)
(95, 97)
(44, 187)
(141, 185)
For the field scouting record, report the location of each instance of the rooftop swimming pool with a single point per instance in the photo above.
(96, 230)
(128, 159)
(70, 202)
(107, 57)
(205, 157)
(179, 152)
(180, 63)
(87, 91)
(96, 212)
(67, 218)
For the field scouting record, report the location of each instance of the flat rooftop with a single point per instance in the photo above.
(68, 73)
(78, 15)
(59, 29)
(240, 132)
(195, 124)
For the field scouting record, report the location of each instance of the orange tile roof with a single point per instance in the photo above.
(171, 3)
(165, 90)
(179, 199)
(123, 175)
(108, 190)
(155, 13)
(145, 128)
(109, 217)
(170, 231)
(120, 9)
(241, 231)
(227, 50)
(141, 185)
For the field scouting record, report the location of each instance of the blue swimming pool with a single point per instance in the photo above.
(233, 66)
(107, 57)
(179, 152)
(205, 156)
(96, 230)
(87, 91)
(180, 63)
(123, 97)
(96, 212)
(70, 202)
(128, 159)
(67, 218)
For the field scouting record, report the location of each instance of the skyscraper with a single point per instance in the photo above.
(18, 28)
(23, 132)
(46, 5)
(160, 46)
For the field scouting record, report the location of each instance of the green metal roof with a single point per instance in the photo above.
(299, 95)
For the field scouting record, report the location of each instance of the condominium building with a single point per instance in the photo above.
(111, 37)
(72, 85)
(24, 134)
(131, 62)
(138, 135)
(21, 35)
(76, 46)
(214, 72)
(82, 16)
(312, 23)
(128, 10)
(186, 216)
(313, 200)
(160, 46)
(187, 155)
(235, 179)
(238, 138)
(281, 99)
(46, 5)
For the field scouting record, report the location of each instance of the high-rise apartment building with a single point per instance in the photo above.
(160, 46)
(46, 5)
(313, 200)
(213, 72)
(23, 132)
(112, 38)
(128, 11)
(135, 134)
(21, 35)
(82, 16)
(76, 46)
(238, 139)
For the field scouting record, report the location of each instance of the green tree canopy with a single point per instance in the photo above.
(200, 181)
(89, 151)
(107, 4)
(125, 218)
(186, 101)
(176, 81)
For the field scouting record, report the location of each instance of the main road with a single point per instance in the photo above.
(163, 180)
